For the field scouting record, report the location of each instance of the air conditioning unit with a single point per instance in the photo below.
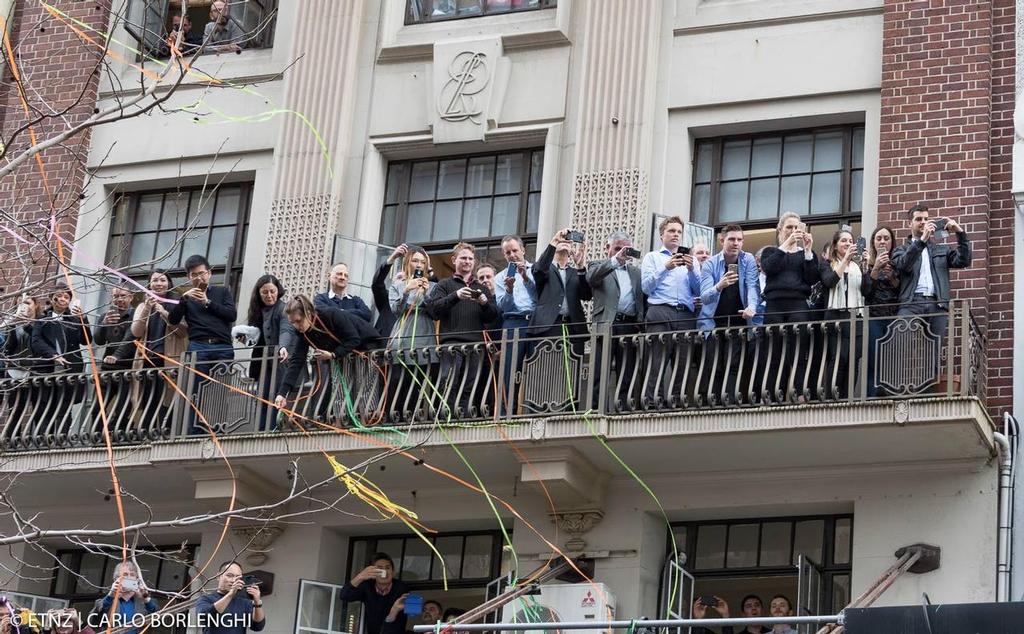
(561, 603)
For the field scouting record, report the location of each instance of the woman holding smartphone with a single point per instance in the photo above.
(412, 344)
(19, 362)
(881, 294)
(790, 270)
(841, 276)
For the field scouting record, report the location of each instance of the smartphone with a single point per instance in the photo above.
(251, 580)
(203, 286)
(511, 270)
(802, 226)
(733, 268)
(574, 236)
(709, 601)
(630, 252)
(417, 273)
(940, 227)
(413, 605)
(129, 585)
(862, 244)
(683, 251)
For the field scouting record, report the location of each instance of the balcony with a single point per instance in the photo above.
(769, 379)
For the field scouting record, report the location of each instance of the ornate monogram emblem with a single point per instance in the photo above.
(468, 75)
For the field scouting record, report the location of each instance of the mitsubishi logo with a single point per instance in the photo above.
(588, 601)
(467, 77)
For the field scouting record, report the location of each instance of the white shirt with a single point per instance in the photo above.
(925, 284)
(564, 310)
(332, 295)
(627, 304)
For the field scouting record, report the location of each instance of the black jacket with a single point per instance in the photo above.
(462, 320)
(115, 337)
(17, 349)
(906, 259)
(788, 275)
(59, 335)
(385, 316)
(336, 330)
(207, 322)
(883, 294)
(376, 606)
(550, 293)
(281, 335)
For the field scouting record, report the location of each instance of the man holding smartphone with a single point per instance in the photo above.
(377, 589)
(235, 606)
(131, 595)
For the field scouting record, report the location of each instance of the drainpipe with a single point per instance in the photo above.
(1005, 534)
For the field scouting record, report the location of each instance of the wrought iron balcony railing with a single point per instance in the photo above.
(604, 373)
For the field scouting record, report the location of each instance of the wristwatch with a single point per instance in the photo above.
(257, 605)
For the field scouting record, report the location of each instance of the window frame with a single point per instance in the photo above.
(845, 214)
(410, 20)
(149, 42)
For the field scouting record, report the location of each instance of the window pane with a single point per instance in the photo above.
(857, 158)
(481, 176)
(424, 177)
(358, 558)
(711, 546)
(742, 546)
(828, 151)
(764, 198)
(163, 243)
(196, 242)
(510, 174)
(469, 7)
(173, 576)
(416, 560)
(506, 215)
(92, 575)
(701, 203)
(64, 578)
(536, 170)
(808, 540)
(451, 550)
(395, 173)
(796, 156)
(392, 547)
(477, 563)
(387, 230)
(418, 222)
(767, 154)
(680, 535)
(476, 218)
(775, 543)
(148, 214)
(840, 592)
(498, 6)
(228, 202)
(735, 159)
(447, 217)
(532, 213)
(702, 173)
(841, 554)
(857, 190)
(825, 193)
(200, 209)
(733, 201)
(175, 210)
(452, 179)
(316, 606)
(142, 248)
(221, 241)
(794, 193)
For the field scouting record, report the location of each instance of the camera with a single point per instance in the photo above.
(574, 236)
(630, 252)
(475, 293)
(708, 601)
(417, 274)
(251, 580)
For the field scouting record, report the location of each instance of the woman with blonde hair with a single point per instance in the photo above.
(413, 340)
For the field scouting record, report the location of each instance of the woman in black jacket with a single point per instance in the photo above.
(19, 363)
(882, 295)
(790, 270)
(57, 340)
(276, 339)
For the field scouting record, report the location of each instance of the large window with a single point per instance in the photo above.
(149, 22)
(470, 559)
(162, 228)
(435, 10)
(480, 198)
(753, 179)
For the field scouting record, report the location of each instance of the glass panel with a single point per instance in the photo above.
(173, 576)
(92, 575)
(416, 560)
(142, 248)
(477, 562)
(532, 213)
(536, 170)
(338, 616)
(701, 203)
(469, 7)
(844, 530)
(840, 592)
(195, 242)
(825, 193)
(509, 176)
(733, 201)
(857, 190)
(767, 154)
(314, 611)
(742, 551)
(476, 218)
(764, 198)
(775, 543)
(447, 217)
(498, 6)
(828, 151)
(680, 535)
(505, 219)
(451, 550)
(797, 154)
(710, 547)
(221, 241)
(395, 172)
(387, 230)
(794, 193)
(163, 242)
(228, 202)
(480, 181)
(175, 210)
(857, 158)
(201, 206)
(418, 221)
(735, 159)
(147, 215)
(393, 547)
(808, 540)
(64, 578)
(452, 179)
(705, 152)
(359, 556)
(424, 177)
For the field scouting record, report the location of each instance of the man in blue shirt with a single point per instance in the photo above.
(671, 281)
(339, 297)
(516, 296)
(133, 601)
(234, 607)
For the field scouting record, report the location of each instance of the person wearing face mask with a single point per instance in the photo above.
(156, 338)
(841, 276)
(412, 338)
(881, 294)
(276, 339)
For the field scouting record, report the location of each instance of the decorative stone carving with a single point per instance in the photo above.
(258, 538)
(468, 80)
(576, 523)
(299, 243)
(607, 201)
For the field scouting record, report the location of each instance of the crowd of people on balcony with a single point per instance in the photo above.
(678, 297)
(221, 34)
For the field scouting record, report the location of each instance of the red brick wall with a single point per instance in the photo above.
(947, 103)
(57, 68)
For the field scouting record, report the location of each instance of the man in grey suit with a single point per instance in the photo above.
(619, 307)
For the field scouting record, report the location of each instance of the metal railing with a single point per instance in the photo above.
(623, 372)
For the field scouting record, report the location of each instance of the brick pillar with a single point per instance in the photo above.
(947, 102)
(57, 68)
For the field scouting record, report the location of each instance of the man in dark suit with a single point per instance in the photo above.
(619, 306)
(561, 289)
(339, 297)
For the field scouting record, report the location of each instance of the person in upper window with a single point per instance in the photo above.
(339, 297)
(237, 605)
(190, 42)
(222, 33)
(780, 606)
(376, 587)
